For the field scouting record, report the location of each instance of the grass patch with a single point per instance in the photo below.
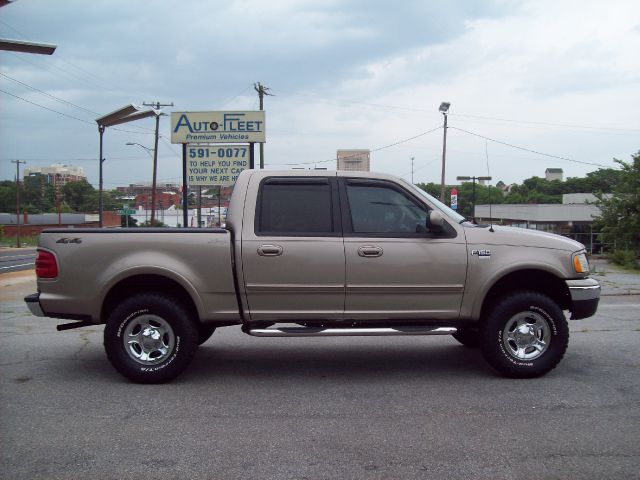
(28, 241)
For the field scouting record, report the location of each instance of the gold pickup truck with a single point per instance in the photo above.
(318, 254)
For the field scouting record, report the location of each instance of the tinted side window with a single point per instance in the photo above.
(295, 208)
(380, 209)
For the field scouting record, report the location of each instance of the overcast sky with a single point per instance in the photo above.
(557, 77)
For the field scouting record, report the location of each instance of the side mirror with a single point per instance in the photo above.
(435, 221)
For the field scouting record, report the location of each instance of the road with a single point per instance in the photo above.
(333, 408)
(16, 260)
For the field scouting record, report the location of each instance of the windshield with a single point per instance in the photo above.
(452, 214)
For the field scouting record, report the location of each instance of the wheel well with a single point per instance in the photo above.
(146, 283)
(533, 280)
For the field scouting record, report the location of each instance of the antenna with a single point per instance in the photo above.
(486, 153)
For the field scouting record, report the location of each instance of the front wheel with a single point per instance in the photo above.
(525, 335)
(150, 338)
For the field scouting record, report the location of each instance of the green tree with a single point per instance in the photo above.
(619, 220)
(7, 196)
(80, 196)
(484, 194)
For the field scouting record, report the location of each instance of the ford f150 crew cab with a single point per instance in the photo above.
(318, 254)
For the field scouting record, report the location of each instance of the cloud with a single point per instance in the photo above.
(339, 70)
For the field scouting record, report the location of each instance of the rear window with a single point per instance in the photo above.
(295, 207)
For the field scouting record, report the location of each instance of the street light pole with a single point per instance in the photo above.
(125, 114)
(444, 108)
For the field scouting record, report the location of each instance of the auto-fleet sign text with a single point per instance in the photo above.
(217, 127)
(216, 164)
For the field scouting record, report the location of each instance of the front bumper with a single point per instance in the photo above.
(585, 295)
(33, 302)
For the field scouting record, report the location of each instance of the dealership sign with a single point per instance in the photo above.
(218, 127)
(216, 164)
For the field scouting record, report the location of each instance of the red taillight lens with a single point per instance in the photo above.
(46, 265)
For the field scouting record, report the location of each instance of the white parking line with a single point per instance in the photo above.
(8, 259)
(620, 305)
(21, 265)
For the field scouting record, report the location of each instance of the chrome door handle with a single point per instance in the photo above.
(370, 251)
(270, 250)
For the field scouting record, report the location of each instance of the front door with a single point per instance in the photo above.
(396, 268)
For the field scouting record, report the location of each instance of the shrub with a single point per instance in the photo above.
(625, 258)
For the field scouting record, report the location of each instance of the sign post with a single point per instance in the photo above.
(185, 194)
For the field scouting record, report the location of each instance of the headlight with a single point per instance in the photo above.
(580, 263)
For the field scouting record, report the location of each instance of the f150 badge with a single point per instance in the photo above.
(484, 254)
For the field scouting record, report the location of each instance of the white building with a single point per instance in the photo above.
(354, 160)
(57, 174)
(553, 174)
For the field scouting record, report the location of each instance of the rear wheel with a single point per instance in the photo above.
(525, 335)
(150, 338)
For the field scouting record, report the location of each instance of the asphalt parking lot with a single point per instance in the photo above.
(334, 408)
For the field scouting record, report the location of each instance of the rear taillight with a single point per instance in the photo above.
(46, 265)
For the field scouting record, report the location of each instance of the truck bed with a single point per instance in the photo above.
(203, 268)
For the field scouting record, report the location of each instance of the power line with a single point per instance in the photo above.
(420, 168)
(530, 150)
(59, 58)
(546, 124)
(48, 94)
(371, 151)
(70, 116)
(322, 99)
(47, 108)
(231, 99)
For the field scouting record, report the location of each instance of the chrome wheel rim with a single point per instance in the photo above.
(149, 339)
(526, 336)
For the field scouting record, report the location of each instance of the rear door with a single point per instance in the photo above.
(396, 268)
(293, 257)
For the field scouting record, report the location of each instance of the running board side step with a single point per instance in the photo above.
(347, 332)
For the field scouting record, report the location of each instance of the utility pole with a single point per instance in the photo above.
(262, 91)
(18, 162)
(156, 106)
(412, 158)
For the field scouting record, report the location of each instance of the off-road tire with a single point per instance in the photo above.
(513, 331)
(157, 353)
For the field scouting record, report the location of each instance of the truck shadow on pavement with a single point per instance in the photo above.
(354, 362)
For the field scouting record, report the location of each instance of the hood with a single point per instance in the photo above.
(520, 237)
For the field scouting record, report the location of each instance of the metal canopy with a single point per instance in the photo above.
(27, 47)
